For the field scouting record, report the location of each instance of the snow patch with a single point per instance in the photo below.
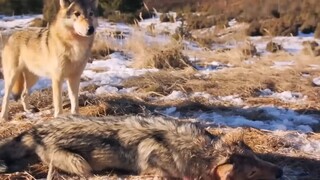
(286, 96)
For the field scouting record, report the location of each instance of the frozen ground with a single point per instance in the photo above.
(286, 123)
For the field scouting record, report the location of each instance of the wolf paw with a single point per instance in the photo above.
(32, 110)
(3, 167)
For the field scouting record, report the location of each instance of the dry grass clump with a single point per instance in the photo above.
(196, 21)
(249, 49)
(199, 22)
(235, 56)
(166, 59)
(274, 27)
(162, 82)
(254, 29)
(157, 55)
(101, 47)
(311, 48)
(9, 129)
(219, 35)
(273, 47)
(166, 17)
(309, 24)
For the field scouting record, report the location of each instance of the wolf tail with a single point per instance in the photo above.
(18, 87)
(19, 84)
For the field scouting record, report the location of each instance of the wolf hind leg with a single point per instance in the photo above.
(29, 80)
(9, 79)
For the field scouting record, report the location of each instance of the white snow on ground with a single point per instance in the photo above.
(316, 81)
(286, 96)
(290, 44)
(300, 141)
(274, 118)
(282, 64)
(9, 22)
(161, 27)
(109, 74)
(116, 69)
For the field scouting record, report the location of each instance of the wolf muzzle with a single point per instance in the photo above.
(90, 30)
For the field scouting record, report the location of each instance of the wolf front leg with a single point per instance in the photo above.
(57, 95)
(73, 92)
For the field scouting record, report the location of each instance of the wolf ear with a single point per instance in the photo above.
(222, 172)
(63, 3)
(66, 4)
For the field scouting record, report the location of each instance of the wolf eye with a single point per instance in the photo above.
(76, 14)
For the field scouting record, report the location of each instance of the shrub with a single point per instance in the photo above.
(273, 47)
(278, 27)
(311, 48)
(309, 24)
(254, 29)
(166, 17)
(200, 21)
(249, 50)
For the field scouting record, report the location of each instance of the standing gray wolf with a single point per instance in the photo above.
(155, 146)
(59, 52)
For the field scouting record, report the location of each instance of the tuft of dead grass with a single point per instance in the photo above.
(159, 55)
(101, 47)
(311, 48)
(164, 82)
(220, 35)
(273, 47)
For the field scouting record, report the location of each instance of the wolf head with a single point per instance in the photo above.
(234, 160)
(79, 16)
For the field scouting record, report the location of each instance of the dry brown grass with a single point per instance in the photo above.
(220, 35)
(102, 47)
(245, 81)
(166, 55)
(310, 48)
(234, 56)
